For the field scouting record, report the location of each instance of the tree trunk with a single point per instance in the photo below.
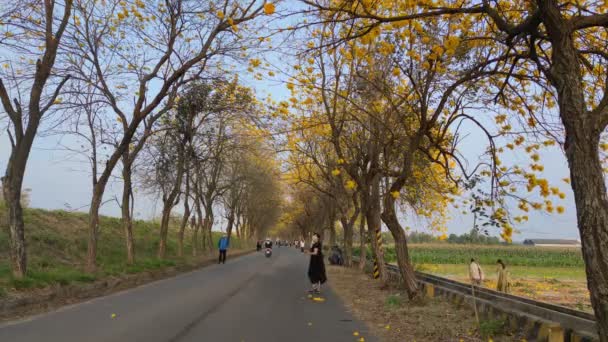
(207, 236)
(98, 190)
(583, 132)
(588, 185)
(12, 184)
(229, 226)
(196, 226)
(362, 246)
(185, 217)
(210, 238)
(127, 220)
(348, 241)
(203, 240)
(403, 259)
(592, 216)
(182, 228)
(164, 229)
(11, 188)
(332, 231)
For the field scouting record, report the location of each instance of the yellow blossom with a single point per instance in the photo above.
(269, 8)
(350, 184)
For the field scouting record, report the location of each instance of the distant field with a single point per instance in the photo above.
(488, 254)
(550, 274)
(528, 272)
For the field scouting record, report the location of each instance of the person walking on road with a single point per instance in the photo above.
(316, 268)
(502, 285)
(222, 245)
(475, 273)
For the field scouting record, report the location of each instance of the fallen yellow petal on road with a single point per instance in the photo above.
(356, 333)
(113, 315)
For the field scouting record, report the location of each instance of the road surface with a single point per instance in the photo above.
(250, 298)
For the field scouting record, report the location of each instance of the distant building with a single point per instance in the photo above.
(552, 243)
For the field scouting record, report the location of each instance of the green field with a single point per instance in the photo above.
(461, 271)
(57, 245)
(440, 254)
(549, 274)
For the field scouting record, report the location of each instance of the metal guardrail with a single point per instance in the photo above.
(580, 322)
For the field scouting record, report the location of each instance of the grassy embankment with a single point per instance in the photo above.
(57, 244)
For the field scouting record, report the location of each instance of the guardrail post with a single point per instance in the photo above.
(429, 290)
(551, 332)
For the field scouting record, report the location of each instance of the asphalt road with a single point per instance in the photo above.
(250, 298)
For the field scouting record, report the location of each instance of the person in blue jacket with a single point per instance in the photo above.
(222, 245)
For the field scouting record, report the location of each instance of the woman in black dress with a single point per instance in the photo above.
(316, 269)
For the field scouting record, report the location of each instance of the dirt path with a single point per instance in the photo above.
(392, 318)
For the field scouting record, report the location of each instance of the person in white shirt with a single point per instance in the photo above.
(476, 273)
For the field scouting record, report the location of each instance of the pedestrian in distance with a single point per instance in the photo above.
(302, 246)
(502, 285)
(476, 273)
(258, 246)
(316, 268)
(222, 245)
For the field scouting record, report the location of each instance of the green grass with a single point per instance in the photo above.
(489, 328)
(439, 254)
(393, 302)
(57, 245)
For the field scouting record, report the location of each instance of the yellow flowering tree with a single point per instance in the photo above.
(558, 46)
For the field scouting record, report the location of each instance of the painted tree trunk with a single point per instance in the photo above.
(372, 213)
